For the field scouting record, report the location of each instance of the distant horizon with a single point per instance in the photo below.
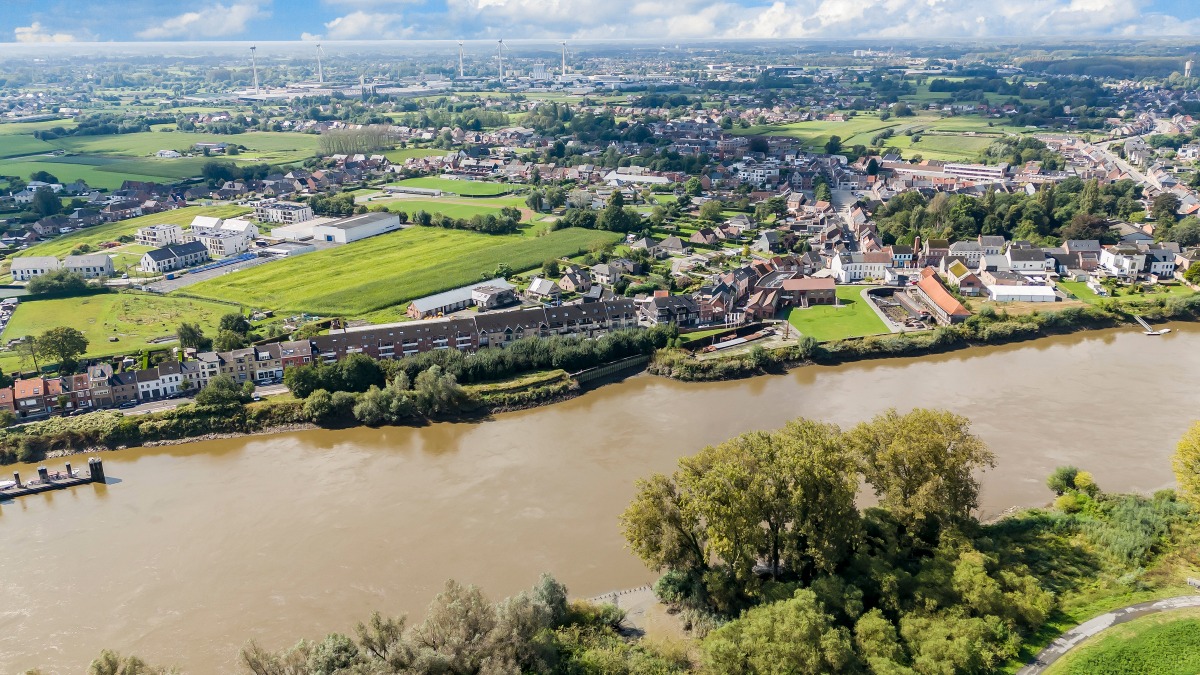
(147, 21)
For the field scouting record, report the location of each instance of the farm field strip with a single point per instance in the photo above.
(390, 270)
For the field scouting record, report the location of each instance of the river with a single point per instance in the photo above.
(202, 546)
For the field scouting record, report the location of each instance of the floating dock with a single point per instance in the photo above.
(52, 480)
(1150, 329)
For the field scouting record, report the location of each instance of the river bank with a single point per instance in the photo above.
(110, 430)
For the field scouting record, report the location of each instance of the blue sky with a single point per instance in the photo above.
(156, 20)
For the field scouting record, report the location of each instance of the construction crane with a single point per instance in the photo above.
(254, 66)
(320, 67)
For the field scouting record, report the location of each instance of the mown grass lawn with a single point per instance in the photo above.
(851, 318)
(15, 145)
(134, 319)
(109, 232)
(470, 188)
(1080, 290)
(390, 270)
(1160, 644)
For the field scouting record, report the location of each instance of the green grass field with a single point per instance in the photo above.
(949, 143)
(450, 209)
(261, 145)
(135, 320)
(468, 188)
(1160, 644)
(18, 145)
(95, 176)
(109, 232)
(852, 319)
(944, 147)
(389, 270)
(1080, 290)
(107, 161)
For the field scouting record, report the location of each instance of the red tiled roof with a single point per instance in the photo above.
(940, 296)
(808, 284)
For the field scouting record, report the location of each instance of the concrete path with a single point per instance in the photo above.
(1072, 638)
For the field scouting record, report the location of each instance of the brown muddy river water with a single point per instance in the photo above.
(201, 547)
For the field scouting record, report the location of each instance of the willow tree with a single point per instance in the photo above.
(1186, 463)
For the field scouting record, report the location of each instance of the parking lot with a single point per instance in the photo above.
(185, 280)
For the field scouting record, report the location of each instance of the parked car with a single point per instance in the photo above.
(128, 404)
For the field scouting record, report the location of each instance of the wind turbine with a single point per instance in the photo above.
(500, 54)
(320, 68)
(460, 59)
(254, 65)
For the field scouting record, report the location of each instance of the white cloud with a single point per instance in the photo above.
(36, 33)
(212, 21)
(362, 25)
(309, 37)
(805, 18)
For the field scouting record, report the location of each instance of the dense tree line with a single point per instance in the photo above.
(462, 633)
(359, 372)
(1068, 210)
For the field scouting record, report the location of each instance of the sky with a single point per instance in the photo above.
(158, 21)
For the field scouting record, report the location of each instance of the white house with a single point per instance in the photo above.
(1124, 262)
(850, 267)
(288, 213)
(24, 269)
(222, 237)
(1028, 260)
(160, 235)
(90, 266)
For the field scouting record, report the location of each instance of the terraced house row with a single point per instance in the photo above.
(102, 387)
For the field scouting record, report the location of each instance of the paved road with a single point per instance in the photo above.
(1072, 638)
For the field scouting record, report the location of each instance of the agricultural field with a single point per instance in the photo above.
(109, 232)
(262, 146)
(105, 162)
(853, 318)
(389, 270)
(466, 188)
(137, 321)
(1160, 644)
(449, 209)
(957, 138)
(18, 145)
(942, 146)
(67, 172)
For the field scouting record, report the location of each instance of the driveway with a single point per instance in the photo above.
(1072, 638)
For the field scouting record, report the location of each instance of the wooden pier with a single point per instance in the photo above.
(52, 480)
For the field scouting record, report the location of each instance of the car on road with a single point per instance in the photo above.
(256, 397)
(128, 404)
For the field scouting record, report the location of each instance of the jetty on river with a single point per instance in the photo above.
(56, 480)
